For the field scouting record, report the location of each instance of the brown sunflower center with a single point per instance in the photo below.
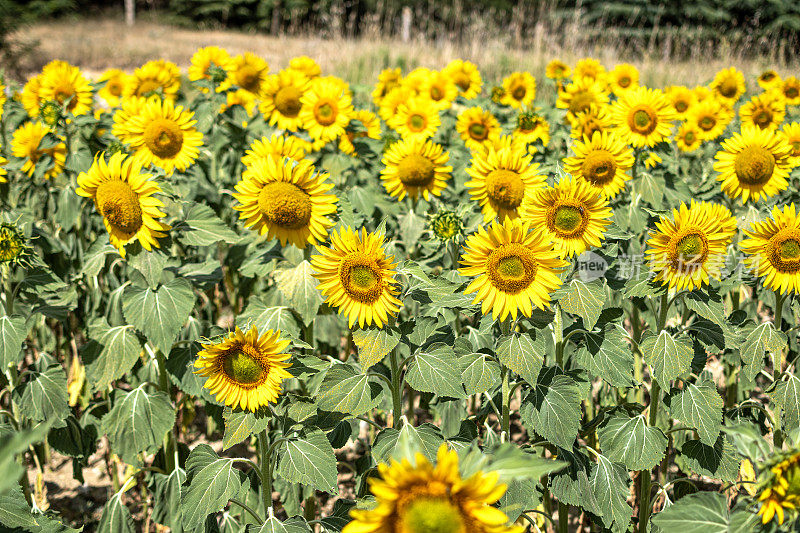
(729, 87)
(599, 167)
(462, 80)
(478, 131)
(505, 187)
(287, 101)
(689, 137)
(242, 365)
(762, 118)
(566, 220)
(285, 205)
(624, 81)
(768, 76)
(436, 93)
(707, 122)
(519, 92)
(119, 205)
(785, 253)
(415, 170)
(754, 165)
(432, 515)
(417, 122)
(792, 92)
(64, 92)
(581, 101)
(688, 250)
(681, 106)
(642, 120)
(164, 138)
(114, 87)
(325, 113)
(247, 77)
(361, 277)
(511, 268)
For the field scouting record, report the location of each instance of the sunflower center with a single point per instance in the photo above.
(146, 87)
(417, 123)
(242, 366)
(64, 92)
(689, 137)
(462, 80)
(432, 515)
(754, 165)
(795, 148)
(519, 92)
(415, 170)
(436, 93)
(624, 81)
(785, 253)
(728, 88)
(114, 87)
(567, 220)
(792, 92)
(511, 268)
(164, 138)
(642, 120)
(285, 205)
(767, 76)
(119, 205)
(247, 78)
(287, 101)
(707, 123)
(690, 250)
(325, 113)
(478, 131)
(581, 101)
(10, 245)
(361, 277)
(505, 187)
(763, 118)
(599, 167)
(681, 106)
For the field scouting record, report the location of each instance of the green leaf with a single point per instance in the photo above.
(15, 513)
(650, 189)
(43, 396)
(202, 227)
(607, 355)
(583, 299)
(116, 517)
(631, 441)
(787, 395)
(212, 481)
(669, 357)
(272, 525)
(763, 338)
(110, 354)
(707, 304)
(480, 373)
(239, 425)
(519, 497)
(424, 439)
(95, 258)
(150, 264)
(276, 318)
(137, 422)
(412, 226)
(438, 371)
(13, 442)
(160, 313)
(698, 406)
(553, 408)
(610, 484)
(309, 460)
(13, 331)
(166, 491)
(344, 390)
(718, 461)
(373, 344)
(571, 485)
(300, 288)
(510, 462)
(522, 353)
(701, 512)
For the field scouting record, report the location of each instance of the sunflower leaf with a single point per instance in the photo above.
(436, 370)
(523, 353)
(345, 390)
(116, 517)
(202, 227)
(212, 481)
(669, 357)
(110, 354)
(299, 286)
(13, 331)
(763, 338)
(698, 406)
(43, 396)
(309, 460)
(159, 313)
(553, 407)
(631, 441)
(702, 512)
(373, 344)
(583, 299)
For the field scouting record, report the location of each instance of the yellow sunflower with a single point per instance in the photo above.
(516, 267)
(30, 96)
(422, 498)
(163, 135)
(306, 66)
(357, 277)
(623, 78)
(240, 97)
(115, 81)
(773, 249)
(710, 117)
(275, 147)
(131, 107)
(154, 77)
(682, 99)
(249, 72)
(245, 370)
(414, 166)
(501, 180)
(753, 163)
(688, 138)
(415, 80)
(728, 85)
(780, 488)
(572, 212)
(391, 102)
(703, 93)
(643, 117)
(214, 64)
(64, 83)
(325, 110)
(25, 145)
(519, 90)
(590, 70)
(769, 79)
(3, 171)
(791, 133)
(286, 200)
(466, 76)
(362, 124)
(440, 89)
(416, 118)
(388, 79)
(580, 96)
(597, 118)
(281, 103)
(531, 128)
(765, 111)
(557, 70)
(475, 125)
(791, 90)
(603, 163)
(124, 197)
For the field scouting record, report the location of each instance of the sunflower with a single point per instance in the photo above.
(780, 487)
(325, 110)
(791, 132)
(213, 64)
(557, 70)
(791, 90)
(245, 370)
(240, 97)
(115, 81)
(643, 117)
(682, 99)
(728, 85)
(590, 70)
(603, 162)
(765, 111)
(363, 123)
(249, 72)
(652, 160)
(623, 78)
(595, 119)
(688, 138)
(286, 200)
(769, 79)
(422, 498)
(710, 117)
(391, 102)
(753, 163)
(163, 135)
(466, 77)
(501, 180)
(414, 166)
(306, 66)
(572, 212)
(388, 79)
(124, 198)
(282, 96)
(688, 250)
(14, 247)
(531, 128)
(519, 90)
(475, 125)
(64, 83)
(3, 171)
(357, 277)
(416, 79)
(154, 77)
(580, 96)
(131, 107)
(773, 249)
(702, 93)
(30, 96)
(516, 268)
(416, 118)
(25, 145)
(440, 89)
(275, 147)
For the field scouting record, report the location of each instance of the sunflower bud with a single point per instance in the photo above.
(497, 94)
(13, 245)
(50, 112)
(217, 74)
(527, 121)
(115, 147)
(446, 225)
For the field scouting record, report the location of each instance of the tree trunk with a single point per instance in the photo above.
(130, 12)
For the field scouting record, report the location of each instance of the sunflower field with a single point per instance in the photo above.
(269, 302)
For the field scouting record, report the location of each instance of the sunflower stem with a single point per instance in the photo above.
(505, 389)
(169, 437)
(777, 368)
(397, 391)
(266, 471)
(563, 517)
(558, 332)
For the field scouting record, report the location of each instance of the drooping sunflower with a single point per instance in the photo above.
(282, 96)
(791, 90)
(416, 118)
(65, 84)
(765, 111)
(595, 119)
(780, 487)
(501, 180)
(422, 498)
(363, 123)
(531, 128)
(391, 102)
(388, 79)
(753, 163)
(572, 212)
(688, 250)
(688, 137)
(414, 166)
(245, 370)
(579, 96)
(773, 249)
(249, 72)
(682, 99)
(466, 76)
(124, 197)
(791, 133)
(305, 66)
(623, 78)
(710, 117)
(30, 96)
(475, 125)
(590, 70)
(154, 77)
(115, 81)
(516, 267)
(357, 277)
(25, 144)
(286, 200)
(214, 64)
(275, 147)
(603, 162)
(325, 110)
(163, 134)
(520, 90)
(769, 79)
(643, 117)
(557, 70)
(440, 89)
(728, 85)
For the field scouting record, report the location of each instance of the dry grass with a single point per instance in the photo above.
(97, 44)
